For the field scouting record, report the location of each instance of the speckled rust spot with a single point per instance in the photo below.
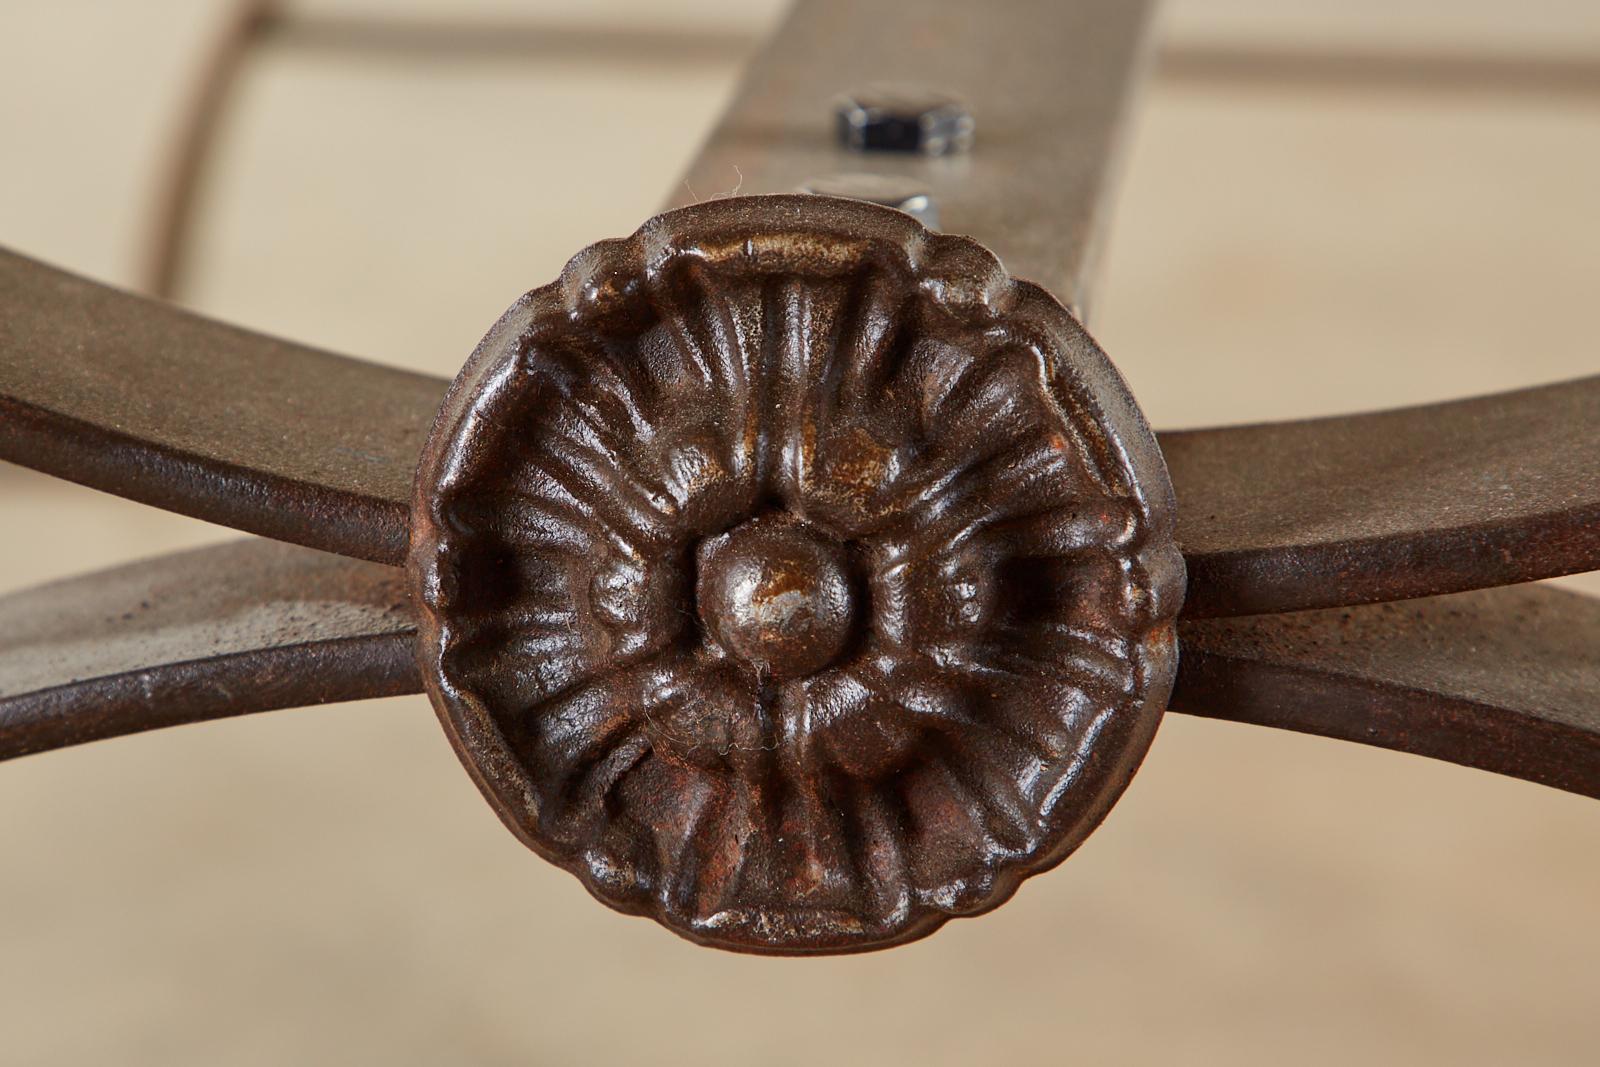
(794, 576)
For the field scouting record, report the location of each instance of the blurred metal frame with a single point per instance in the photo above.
(1341, 569)
(252, 23)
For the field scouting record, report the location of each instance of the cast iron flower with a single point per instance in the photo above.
(793, 575)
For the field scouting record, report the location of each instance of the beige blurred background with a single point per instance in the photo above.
(326, 887)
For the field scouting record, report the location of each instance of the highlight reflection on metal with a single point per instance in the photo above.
(902, 194)
(787, 571)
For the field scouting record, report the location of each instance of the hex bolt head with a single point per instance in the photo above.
(902, 194)
(904, 118)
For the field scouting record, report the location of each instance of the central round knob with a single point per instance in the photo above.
(776, 594)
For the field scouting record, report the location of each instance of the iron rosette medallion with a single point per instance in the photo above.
(791, 574)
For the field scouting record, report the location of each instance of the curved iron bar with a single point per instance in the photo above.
(173, 211)
(141, 399)
(1506, 680)
(161, 406)
(1387, 505)
(254, 21)
(152, 403)
(245, 626)
(1339, 69)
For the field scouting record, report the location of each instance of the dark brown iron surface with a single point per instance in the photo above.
(1390, 504)
(153, 403)
(241, 627)
(786, 571)
(1503, 679)
(792, 575)
(150, 402)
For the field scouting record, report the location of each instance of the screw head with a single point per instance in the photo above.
(902, 194)
(904, 118)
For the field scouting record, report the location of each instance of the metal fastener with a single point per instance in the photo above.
(904, 118)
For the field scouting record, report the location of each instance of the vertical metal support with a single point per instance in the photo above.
(1048, 83)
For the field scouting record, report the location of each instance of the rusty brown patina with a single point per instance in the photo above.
(790, 573)
(786, 571)
(740, 389)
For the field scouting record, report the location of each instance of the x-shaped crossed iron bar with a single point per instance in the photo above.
(1340, 569)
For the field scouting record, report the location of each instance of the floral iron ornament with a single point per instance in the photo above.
(791, 574)
(787, 572)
